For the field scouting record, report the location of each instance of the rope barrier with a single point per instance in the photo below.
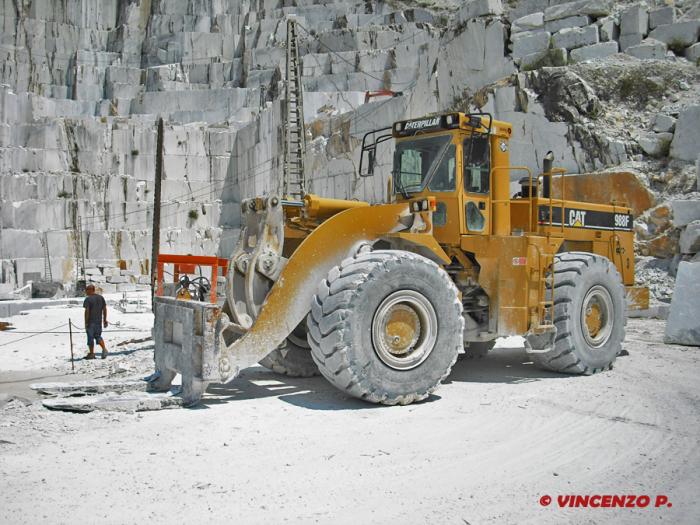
(35, 334)
(104, 331)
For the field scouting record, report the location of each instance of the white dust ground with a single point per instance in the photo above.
(268, 449)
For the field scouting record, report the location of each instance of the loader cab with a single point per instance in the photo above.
(451, 157)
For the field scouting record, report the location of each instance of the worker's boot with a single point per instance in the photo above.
(90, 355)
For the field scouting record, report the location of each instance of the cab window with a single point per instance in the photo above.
(477, 164)
(423, 158)
(444, 178)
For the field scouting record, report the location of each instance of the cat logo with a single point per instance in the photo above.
(577, 218)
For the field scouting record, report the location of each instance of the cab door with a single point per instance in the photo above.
(443, 186)
(476, 167)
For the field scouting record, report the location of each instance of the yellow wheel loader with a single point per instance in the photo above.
(381, 299)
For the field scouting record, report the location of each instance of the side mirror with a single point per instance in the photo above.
(368, 155)
(368, 170)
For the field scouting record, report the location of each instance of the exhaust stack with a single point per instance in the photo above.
(547, 174)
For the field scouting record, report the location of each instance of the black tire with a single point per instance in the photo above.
(580, 278)
(367, 290)
(293, 357)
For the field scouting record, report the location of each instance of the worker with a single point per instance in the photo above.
(95, 317)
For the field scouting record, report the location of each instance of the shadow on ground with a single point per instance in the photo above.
(308, 392)
(501, 365)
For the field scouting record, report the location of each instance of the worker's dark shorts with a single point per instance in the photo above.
(94, 333)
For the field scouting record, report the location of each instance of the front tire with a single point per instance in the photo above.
(589, 315)
(386, 326)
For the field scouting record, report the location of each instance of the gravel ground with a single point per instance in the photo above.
(492, 441)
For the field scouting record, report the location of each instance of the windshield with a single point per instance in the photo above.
(425, 161)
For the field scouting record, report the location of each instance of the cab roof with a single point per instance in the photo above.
(479, 122)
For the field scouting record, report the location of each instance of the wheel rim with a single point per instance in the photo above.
(597, 316)
(404, 330)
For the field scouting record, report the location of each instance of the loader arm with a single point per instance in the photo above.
(290, 298)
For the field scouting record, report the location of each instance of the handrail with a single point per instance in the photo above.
(499, 201)
(561, 171)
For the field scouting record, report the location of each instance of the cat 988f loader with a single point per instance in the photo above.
(380, 299)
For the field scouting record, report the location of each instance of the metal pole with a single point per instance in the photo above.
(82, 246)
(70, 335)
(155, 233)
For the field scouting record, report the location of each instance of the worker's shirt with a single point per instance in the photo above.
(96, 304)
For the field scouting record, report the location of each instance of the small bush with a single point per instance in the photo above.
(134, 152)
(677, 46)
(635, 86)
(193, 215)
(442, 21)
(63, 194)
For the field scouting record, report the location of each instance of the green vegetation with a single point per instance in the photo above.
(665, 147)
(541, 62)
(134, 152)
(193, 215)
(677, 46)
(63, 194)
(636, 87)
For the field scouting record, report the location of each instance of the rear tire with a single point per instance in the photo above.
(589, 315)
(386, 326)
(293, 357)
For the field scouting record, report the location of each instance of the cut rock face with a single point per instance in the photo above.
(595, 51)
(690, 239)
(683, 325)
(680, 34)
(687, 135)
(584, 7)
(564, 95)
(573, 37)
(655, 144)
(648, 49)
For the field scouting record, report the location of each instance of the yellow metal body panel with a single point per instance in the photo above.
(615, 244)
(321, 207)
(448, 233)
(455, 202)
(513, 251)
(512, 269)
(512, 229)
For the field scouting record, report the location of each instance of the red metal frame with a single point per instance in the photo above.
(186, 264)
(381, 93)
